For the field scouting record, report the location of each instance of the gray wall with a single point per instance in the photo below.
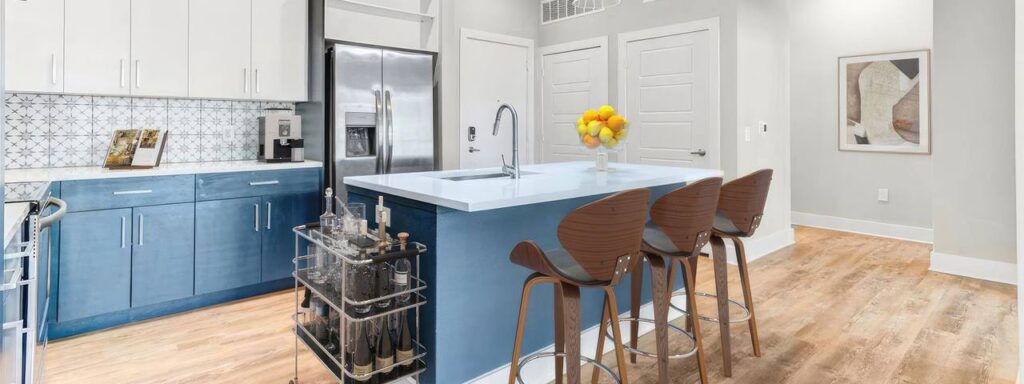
(633, 15)
(518, 18)
(845, 184)
(973, 99)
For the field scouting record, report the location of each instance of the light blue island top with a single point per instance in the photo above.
(470, 222)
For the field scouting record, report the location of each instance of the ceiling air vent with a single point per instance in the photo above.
(557, 10)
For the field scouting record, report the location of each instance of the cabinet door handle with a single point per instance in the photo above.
(257, 80)
(245, 80)
(138, 73)
(269, 207)
(259, 183)
(121, 68)
(142, 229)
(133, 192)
(53, 68)
(123, 226)
(256, 226)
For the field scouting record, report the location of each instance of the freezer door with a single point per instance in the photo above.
(357, 91)
(409, 111)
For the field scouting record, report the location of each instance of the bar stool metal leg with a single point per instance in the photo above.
(748, 298)
(559, 334)
(722, 291)
(524, 304)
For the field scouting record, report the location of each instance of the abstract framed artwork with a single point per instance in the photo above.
(885, 102)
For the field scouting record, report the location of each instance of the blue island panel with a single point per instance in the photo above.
(474, 290)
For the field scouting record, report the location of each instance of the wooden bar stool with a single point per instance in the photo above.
(601, 242)
(681, 224)
(740, 208)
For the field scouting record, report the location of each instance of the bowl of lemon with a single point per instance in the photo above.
(602, 130)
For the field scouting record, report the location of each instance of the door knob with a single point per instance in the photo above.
(473, 150)
(699, 152)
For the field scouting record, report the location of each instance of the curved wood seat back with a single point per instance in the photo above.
(597, 234)
(742, 200)
(687, 214)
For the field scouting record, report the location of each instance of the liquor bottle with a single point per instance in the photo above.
(404, 350)
(383, 284)
(319, 327)
(328, 220)
(400, 276)
(362, 357)
(385, 351)
(332, 345)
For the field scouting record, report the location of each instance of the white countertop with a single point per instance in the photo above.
(543, 183)
(91, 173)
(14, 216)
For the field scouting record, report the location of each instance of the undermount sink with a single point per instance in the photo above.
(482, 176)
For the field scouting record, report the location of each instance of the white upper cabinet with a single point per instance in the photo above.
(34, 40)
(279, 49)
(159, 63)
(97, 45)
(219, 49)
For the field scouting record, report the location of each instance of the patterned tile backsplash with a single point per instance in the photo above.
(70, 131)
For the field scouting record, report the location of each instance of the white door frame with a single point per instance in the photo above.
(712, 26)
(601, 43)
(526, 119)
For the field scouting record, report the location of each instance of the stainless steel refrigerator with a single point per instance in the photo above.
(379, 112)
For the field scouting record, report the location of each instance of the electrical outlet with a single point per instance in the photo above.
(883, 195)
(762, 127)
(746, 134)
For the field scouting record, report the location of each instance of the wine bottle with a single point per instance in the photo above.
(405, 350)
(362, 358)
(385, 351)
(383, 284)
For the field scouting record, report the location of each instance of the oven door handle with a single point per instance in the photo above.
(62, 208)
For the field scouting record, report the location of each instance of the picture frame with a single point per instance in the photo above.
(884, 102)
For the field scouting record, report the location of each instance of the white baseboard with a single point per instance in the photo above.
(873, 228)
(543, 370)
(997, 271)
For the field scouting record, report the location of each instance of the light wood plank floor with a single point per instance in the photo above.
(835, 308)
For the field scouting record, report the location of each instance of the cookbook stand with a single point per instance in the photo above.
(335, 293)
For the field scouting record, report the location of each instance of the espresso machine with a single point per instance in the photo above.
(281, 138)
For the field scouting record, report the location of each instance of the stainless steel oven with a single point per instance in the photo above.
(25, 292)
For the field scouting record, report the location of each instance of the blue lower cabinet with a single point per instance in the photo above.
(283, 212)
(227, 244)
(95, 263)
(163, 265)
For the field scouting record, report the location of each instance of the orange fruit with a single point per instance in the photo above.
(591, 141)
(590, 115)
(616, 122)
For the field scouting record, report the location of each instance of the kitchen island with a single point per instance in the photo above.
(470, 220)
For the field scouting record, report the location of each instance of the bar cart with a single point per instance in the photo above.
(360, 291)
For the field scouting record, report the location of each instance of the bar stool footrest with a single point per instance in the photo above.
(528, 359)
(738, 319)
(683, 355)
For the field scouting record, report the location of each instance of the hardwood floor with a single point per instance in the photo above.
(835, 308)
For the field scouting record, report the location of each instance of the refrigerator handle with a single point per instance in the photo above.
(388, 109)
(379, 131)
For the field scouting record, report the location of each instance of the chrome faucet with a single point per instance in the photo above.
(511, 170)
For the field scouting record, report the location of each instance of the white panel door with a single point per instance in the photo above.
(34, 45)
(493, 70)
(97, 46)
(667, 100)
(219, 49)
(159, 64)
(279, 49)
(573, 81)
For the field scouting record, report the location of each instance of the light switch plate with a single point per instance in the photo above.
(762, 127)
(883, 195)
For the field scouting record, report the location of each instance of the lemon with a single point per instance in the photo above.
(621, 134)
(594, 127)
(581, 129)
(580, 121)
(606, 134)
(611, 143)
(590, 115)
(616, 122)
(606, 112)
